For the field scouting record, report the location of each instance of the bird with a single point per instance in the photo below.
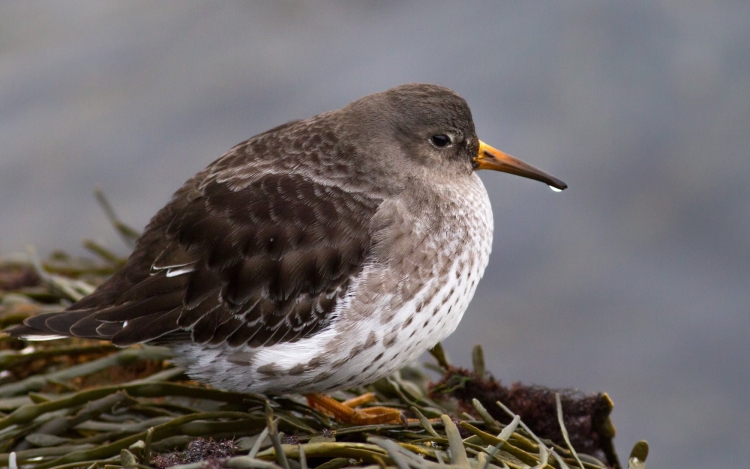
(322, 254)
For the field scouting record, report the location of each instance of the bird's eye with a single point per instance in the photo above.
(440, 140)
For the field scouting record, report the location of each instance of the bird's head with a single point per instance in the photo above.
(434, 128)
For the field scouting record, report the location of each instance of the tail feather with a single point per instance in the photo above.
(61, 323)
(85, 324)
(49, 326)
(29, 333)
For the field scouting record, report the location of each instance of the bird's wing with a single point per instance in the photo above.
(261, 264)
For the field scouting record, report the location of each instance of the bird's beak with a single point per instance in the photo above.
(491, 158)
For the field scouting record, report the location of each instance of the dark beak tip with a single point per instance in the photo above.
(560, 185)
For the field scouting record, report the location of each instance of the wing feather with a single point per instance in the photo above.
(258, 264)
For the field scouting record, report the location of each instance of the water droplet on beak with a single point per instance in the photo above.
(555, 189)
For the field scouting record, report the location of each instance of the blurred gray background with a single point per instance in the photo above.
(635, 281)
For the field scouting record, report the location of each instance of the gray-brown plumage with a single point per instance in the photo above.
(320, 254)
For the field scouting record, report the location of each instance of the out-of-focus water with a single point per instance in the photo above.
(635, 281)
